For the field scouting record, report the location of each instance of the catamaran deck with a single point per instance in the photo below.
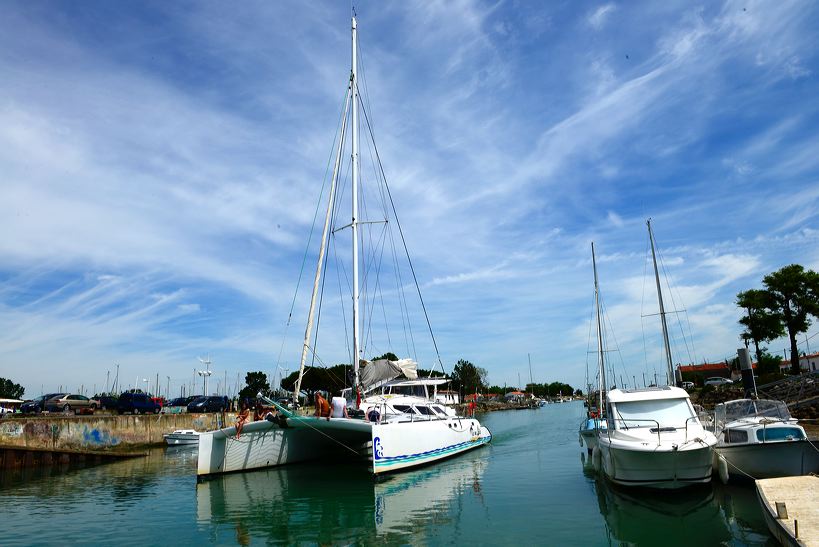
(796, 521)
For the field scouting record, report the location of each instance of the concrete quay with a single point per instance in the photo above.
(101, 433)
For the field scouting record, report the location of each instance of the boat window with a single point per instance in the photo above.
(410, 391)
(662, 412)
(735, 436)
(403, 408)
(424, 410)
(439, 410)
(780, 434)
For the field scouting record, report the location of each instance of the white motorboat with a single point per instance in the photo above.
(654, 437)
(412, 430)
(758, 439)
(182, 437)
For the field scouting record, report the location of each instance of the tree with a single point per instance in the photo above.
(761, 323)
(468, 377)
(254, 383)
(10, 390)
(794, 295)
(390, 356)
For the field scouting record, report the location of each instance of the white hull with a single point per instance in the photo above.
(768, 460)
(387, 447)
(656, 465)
(183, 437)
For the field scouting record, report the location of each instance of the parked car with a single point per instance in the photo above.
(37, 405)
(718, 381)
(72, 402)
(211, 403)
(688, 385)
(136, 403)
(108, 402)
(183, 401)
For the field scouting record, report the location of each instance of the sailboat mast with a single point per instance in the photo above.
(666, 344)
(601, 386)
(354, 223)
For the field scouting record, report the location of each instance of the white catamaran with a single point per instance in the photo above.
(654, 437)
(411, 430)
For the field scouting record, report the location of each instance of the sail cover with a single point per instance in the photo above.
(381, 370)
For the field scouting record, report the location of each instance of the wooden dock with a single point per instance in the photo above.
(791, 508)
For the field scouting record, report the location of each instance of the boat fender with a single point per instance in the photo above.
(722, 468)
(596, 458)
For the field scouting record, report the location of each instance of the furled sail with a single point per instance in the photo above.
(375, 372)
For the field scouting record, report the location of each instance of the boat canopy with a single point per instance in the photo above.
(646, 394)
(750, 408)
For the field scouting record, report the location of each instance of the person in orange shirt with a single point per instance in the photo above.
(322, 407)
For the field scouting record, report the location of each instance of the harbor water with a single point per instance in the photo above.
(532, 485)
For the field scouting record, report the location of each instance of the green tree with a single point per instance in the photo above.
(767, 363)
(760, 322)
(10, 390)
(390, 356)
(794, 294)
(254, 383)
(468, 377)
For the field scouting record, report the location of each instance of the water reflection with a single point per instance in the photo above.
(707, 515)
(335, 503)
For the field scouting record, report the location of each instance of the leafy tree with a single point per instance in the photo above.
(468, 377)
(254, 383)
(390, 356)
(761, 323)
(794, 295)
(10, 390)
(767, 363)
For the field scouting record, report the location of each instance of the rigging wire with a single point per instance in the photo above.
(312, 228)
(404, 241)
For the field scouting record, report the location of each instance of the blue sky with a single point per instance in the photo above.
(160, 165)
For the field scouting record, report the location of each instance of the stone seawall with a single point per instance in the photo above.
(101, 432)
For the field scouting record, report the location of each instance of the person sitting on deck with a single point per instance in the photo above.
(243, 416)
(339, 408)
(261, 412)
(322, 407)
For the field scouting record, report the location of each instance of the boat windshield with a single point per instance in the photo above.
(749, 408)
(653, 413)
(780, 434)
(409, 390)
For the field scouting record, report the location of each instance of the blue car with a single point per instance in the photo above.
(211, 403)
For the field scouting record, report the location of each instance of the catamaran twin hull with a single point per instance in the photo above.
(388, 447)
(656, 466)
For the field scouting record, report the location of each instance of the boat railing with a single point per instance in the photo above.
(696, 419)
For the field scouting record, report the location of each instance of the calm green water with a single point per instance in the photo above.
(529, 486)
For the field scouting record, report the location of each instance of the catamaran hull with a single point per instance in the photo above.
(401, 445)
(387, 447)
(656, 466)
(768, 460)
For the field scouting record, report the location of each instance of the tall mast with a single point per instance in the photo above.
(354, 223)
(601, 378)
(667, 346)
(322, 251)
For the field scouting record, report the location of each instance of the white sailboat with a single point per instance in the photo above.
(593, 422)
(654, 437)
(411, 430)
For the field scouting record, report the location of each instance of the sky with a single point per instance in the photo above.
(161, 166)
